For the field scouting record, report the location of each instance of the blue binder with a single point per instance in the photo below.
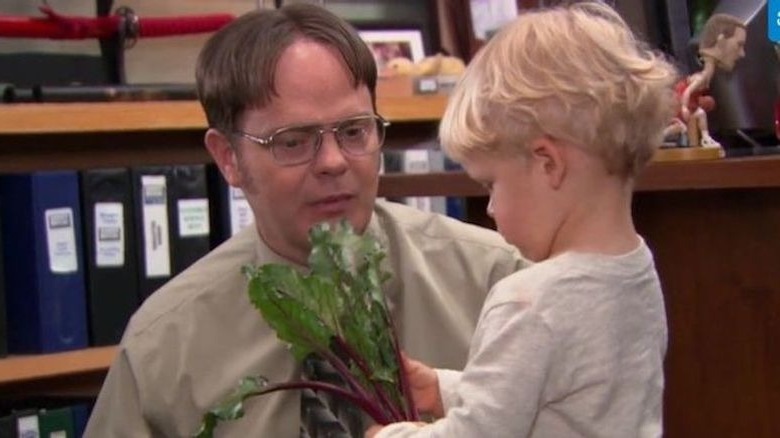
(3, 324)
(80, 413)
(45, 294)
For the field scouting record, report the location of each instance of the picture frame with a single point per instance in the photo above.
(387, 44)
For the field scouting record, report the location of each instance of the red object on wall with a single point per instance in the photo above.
(57, 26)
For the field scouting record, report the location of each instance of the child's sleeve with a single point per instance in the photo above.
(448, 384)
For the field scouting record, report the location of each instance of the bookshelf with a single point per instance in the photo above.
(110, 117)
(735, 173)
(714, 227)
(86, 135)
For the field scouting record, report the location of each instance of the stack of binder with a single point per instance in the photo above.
(173, 221)
(84, 249)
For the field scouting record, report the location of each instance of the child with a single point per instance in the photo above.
(555, 117)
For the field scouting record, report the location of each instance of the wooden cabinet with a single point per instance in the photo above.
(714, 227)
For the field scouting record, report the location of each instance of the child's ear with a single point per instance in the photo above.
(548, 155)
(223, 154)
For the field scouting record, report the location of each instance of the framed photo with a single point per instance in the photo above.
(395, 43)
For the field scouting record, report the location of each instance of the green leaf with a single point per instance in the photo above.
(289, 316)
(233, 407)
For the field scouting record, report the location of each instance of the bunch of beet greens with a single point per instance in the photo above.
(337, 312)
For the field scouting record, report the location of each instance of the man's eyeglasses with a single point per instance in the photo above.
(295, 145)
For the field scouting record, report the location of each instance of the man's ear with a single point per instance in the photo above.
(550, 158)
(223, 154)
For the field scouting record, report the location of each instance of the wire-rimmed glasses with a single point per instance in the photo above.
(294, 145)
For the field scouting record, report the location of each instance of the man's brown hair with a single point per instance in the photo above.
(236, 67)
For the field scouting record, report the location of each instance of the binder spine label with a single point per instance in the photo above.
(61, 240)
(417, 161)
(27, 426)
(240, 213)
(155, 217)
(193, 217)
(109, 234)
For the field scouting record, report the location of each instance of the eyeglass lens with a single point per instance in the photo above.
(355, 137)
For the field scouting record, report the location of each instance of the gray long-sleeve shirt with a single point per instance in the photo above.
(570, 347)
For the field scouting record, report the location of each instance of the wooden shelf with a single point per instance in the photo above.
(117, 134)
(726, 173)
(731, 173)
(71, 373)
(113, 117)
(88, 135)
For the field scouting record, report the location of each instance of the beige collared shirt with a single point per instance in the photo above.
(192, 341)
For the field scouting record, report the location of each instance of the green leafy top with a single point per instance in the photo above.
(337, 312)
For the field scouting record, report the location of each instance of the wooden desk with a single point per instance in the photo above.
(715, 231)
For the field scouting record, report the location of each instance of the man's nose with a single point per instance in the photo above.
(330, 156)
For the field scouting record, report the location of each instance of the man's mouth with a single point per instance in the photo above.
(333, 205)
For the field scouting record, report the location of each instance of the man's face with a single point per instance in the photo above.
(732, 49)
(314, 87)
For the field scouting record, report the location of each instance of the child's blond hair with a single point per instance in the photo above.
(575, 73)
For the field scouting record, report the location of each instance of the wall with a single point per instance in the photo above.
(172, 59)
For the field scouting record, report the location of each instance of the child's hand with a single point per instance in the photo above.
(373, 430)
(424, 384)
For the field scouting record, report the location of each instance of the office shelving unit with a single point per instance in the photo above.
(714, 227)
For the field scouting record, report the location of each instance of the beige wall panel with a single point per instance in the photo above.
(29, 8)
(159, 60)
(153, 60)
(172, 59)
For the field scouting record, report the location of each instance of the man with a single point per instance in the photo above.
(290, 101)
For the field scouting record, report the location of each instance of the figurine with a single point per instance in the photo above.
(436, 65)
(721, 45)
(435, 74)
